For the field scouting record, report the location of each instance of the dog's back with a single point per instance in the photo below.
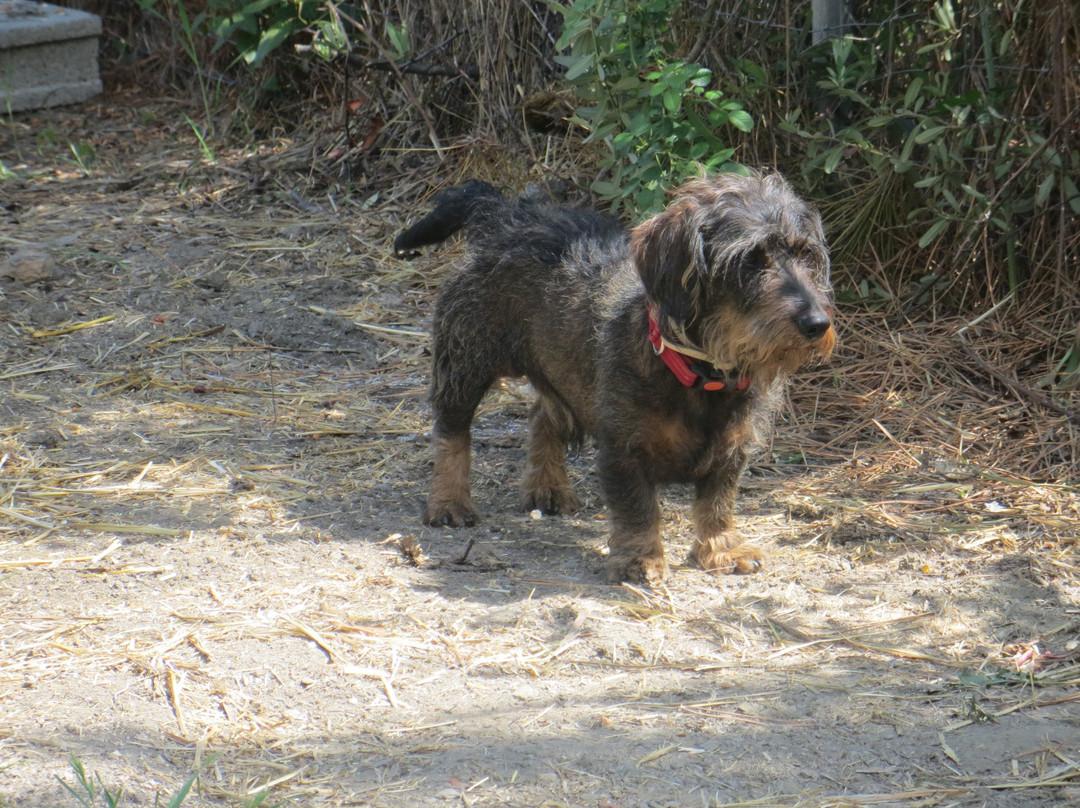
(494, 224)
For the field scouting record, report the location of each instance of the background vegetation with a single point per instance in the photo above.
(928, 127)
(939, 138)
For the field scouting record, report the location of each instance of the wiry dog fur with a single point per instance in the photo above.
(735, 269)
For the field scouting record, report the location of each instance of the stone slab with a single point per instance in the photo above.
(48, 55)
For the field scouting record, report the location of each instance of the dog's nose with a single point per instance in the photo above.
(812, 324)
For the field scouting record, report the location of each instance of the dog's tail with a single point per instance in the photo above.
(455, 208)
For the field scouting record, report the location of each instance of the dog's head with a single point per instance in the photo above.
(737, 268)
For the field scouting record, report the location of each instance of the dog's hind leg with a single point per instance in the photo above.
(455, 396)
(546, 485)
(718, 548)
(450, 500)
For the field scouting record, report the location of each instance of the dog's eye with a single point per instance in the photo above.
(816, 261)
(753, 260)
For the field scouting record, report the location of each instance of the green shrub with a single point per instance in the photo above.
(914, 131)
(252, 30)
(259, 28)
(658, 115)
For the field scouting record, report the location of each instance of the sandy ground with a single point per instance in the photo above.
(213, 450)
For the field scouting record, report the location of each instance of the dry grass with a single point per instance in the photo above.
(213, 448)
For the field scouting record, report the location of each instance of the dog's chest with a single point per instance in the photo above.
(684, 446)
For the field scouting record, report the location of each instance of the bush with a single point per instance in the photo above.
(926, 117)
(659, 116)
(429, 71)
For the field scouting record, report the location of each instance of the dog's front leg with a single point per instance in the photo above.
(718, 548)
(635, 550)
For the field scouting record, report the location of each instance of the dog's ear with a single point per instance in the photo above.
(668, 254)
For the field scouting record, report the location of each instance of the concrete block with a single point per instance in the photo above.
(48, 55)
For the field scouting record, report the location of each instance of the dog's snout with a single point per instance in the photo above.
(813, 324)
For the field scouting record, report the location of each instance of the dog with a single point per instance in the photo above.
(669, 344)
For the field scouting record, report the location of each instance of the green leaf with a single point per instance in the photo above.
(928, 134)
(639, 124)
(754, 71)
(741, 120)
(626, 83)
(181, 795)
(1044, 189)
(926, 182)
(719, 158)
(1072, 195)
(905, 152)
(974, 192)
(271, 39)
(832, 159)
(581, 66)
(605, 190)
(935, 230)
(880, 120)
(703, 78)
(672, 100)
(851, 135)
(331, 39)
(913, 92)
(653, 173)
(701, 128)
(399, 39)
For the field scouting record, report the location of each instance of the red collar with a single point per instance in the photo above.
(689, 372)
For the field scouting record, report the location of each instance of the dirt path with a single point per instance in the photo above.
(212, 452)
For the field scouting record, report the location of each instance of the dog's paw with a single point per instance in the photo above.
(742, 558)
(551, 500)
(450, 513)
(648, 570)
